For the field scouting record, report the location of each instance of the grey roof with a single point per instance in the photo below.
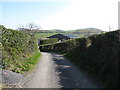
(66, 35)
(70, 35)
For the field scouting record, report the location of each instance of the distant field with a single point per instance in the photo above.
(80, 32)
(44, 35)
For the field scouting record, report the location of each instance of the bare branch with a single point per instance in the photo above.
(30, 28)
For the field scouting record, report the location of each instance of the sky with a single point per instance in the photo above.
(60, 14)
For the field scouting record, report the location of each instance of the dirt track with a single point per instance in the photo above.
(54, 71)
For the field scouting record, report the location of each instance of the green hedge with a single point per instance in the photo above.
(62, 47)
(49, 41)
(97, 54)
(16, 47)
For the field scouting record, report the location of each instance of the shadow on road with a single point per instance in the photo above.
(70, 76)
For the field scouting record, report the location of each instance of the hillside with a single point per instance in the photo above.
(80, 32)
(87, 31)
(97, 54)
(90, 29)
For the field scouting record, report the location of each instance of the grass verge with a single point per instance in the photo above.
(31, 62)
(23, 63)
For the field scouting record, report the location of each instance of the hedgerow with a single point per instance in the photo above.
(48, 41)
(17, 47)
(97, 54)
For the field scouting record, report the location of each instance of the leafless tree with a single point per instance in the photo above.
(29, 28)
(21, 27)
(32, 26)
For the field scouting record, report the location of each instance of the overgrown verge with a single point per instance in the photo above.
(19, 50)
(97, 54)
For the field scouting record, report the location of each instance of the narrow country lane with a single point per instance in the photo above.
(54, 71)
(45, 75)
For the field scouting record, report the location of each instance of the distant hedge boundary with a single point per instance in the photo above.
(62, 47)
(97, 54)
(17, 48)
(48, 41)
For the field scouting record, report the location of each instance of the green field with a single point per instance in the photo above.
(46, 34)
(43, 35)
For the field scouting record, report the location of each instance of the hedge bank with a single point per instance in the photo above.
(48, 41)
(17, 50)
(97, 54)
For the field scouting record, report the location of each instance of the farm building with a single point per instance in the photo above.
(63, 36)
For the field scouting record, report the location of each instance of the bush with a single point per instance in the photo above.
(61, 47)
